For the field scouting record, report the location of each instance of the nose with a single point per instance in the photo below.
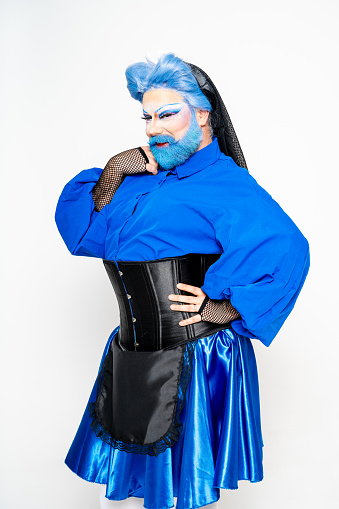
(153, 128)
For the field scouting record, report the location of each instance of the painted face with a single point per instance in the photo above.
(172, 128)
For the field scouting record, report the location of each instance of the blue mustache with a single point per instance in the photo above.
(161, 138)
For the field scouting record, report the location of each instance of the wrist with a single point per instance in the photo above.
(218, 311)
(203, 304)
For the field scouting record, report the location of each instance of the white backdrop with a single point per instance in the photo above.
(64, 108)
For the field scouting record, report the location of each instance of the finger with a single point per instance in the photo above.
(186, 298)
(150, 155)
(188, 321)
(191, 308)
(152, 168)
(189, 288)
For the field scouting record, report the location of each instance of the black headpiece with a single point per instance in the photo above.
(222, 126)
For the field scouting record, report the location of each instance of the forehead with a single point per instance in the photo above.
(155, 99)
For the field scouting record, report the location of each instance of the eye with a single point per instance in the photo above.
(165, 115)
(146, 118)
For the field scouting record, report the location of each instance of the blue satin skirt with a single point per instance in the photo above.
(221, 442)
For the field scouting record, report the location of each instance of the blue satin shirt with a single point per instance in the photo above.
(207, 205)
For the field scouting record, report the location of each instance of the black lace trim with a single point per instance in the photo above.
(155, 448)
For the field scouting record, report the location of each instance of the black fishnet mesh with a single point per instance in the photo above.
(221, 123)
(218, 311)
(128, 162)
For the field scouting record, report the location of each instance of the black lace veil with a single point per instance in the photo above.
(222, 126)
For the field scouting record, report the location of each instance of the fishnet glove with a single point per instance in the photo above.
(217, 311)
(128, 162)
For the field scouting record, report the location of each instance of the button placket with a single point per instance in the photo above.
(127, 219)
(138, 197)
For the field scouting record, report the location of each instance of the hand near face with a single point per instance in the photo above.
(129, 162)
(132, 161)
(152, 166)
(193, 302)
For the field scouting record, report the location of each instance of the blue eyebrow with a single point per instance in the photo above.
(172, 104)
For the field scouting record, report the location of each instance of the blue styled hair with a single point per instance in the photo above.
(169, 72)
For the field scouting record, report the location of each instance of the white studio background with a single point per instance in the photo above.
(64, 108)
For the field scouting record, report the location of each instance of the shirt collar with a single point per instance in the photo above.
(199, 160)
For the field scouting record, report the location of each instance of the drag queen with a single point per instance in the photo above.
(202, 261)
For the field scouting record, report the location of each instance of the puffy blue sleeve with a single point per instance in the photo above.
(263, 265)
(82, 228)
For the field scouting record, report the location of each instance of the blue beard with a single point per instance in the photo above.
(178, 151)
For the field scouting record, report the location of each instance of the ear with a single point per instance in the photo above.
(202, 117)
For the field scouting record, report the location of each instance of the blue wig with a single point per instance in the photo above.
(169, 72)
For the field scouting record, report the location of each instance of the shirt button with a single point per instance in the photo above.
(128, 296)
(120, 273)
(134, 319)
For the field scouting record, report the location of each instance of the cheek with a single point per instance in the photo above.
(180, 121)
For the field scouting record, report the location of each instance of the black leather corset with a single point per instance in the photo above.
(142, 288)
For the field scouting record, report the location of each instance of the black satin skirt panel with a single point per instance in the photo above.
(129, 402)
(147, 322)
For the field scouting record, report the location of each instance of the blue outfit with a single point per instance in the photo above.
(206, 205)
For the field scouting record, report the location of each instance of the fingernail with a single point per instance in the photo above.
(179, 285)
